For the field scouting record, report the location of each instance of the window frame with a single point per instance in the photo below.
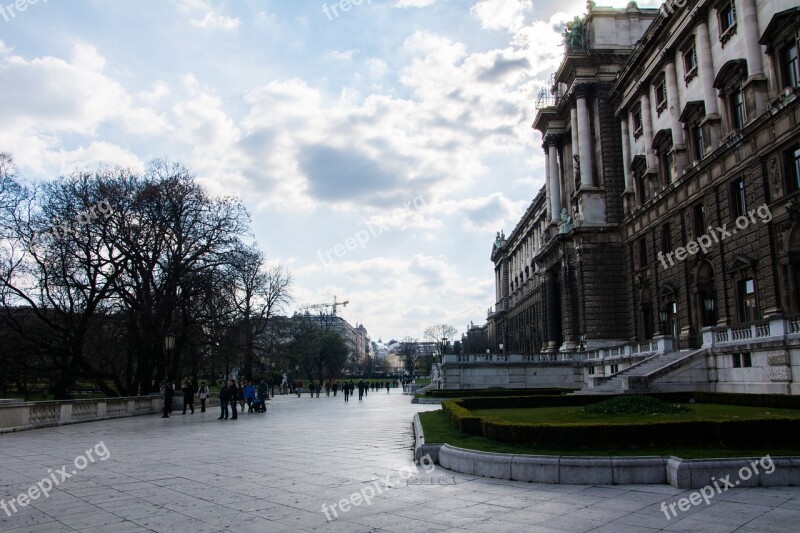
(690, 67)
(790, 67)
(738, 197)
(727, 18)
(636, 120)
(698, 229)
(666, 238)
(747, 301)
(660, 93)
(791, 166)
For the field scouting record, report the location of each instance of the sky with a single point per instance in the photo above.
(378, 145)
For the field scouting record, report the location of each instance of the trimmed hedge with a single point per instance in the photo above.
(490, 393)
(732, 434)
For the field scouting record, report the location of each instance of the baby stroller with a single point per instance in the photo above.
(258, 405)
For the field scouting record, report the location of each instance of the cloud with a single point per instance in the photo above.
(214, 21)
(508, 15)
(345, 55)
(413, 3)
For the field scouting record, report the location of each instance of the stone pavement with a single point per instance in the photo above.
(273, 472)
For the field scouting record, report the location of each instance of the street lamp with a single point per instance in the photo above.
(169, 345)
(709, 305)
(662, 318)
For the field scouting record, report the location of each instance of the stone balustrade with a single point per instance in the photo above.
(776, 328)
(19, 415)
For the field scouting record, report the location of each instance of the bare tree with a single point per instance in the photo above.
(439, 334)
(409, 352)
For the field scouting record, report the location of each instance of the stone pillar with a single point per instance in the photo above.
(551, 141)
(584, 135)
(626, 154)
(753, 52)
(705, 66)
(547, 181)
(575, 141)
(647, 130)
(674, 103)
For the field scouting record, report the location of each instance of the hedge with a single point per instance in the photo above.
(490, 393)
(732, 434)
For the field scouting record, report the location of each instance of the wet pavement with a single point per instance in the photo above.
(291, 469)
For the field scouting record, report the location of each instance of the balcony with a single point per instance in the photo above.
(773, 329)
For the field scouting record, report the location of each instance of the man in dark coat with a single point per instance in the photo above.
(169, 392)
(224, 398)
(361, 387)
(188, 396)
(235, 395)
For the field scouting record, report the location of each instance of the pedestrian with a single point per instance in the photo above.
(361, 387)
(249, 396)
(168, 394)
(335, 388)
(263, 391)
(202, 393)
(328, 388)
(240, 391)
(188, 396)
(346, 391)
(224, 399)
(235, 396)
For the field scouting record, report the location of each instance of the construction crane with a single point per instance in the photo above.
(326, 306)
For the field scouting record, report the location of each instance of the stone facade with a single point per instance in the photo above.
(672, 195)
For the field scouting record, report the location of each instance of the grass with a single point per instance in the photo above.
(574, 416)
(438, 429)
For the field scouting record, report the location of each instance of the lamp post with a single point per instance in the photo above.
(709, 305)
(662, 319)
(169, 345)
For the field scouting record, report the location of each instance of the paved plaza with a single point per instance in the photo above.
(273, 472)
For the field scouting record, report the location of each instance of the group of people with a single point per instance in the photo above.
(230, 395)
(245, 393)
(189, 395)
(348, 388)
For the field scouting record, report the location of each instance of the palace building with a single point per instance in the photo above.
(663, 252)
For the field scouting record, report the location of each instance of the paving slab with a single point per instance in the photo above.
(274, 472)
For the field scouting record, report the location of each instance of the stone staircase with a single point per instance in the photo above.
(667, 362)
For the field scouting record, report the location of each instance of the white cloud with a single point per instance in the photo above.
(344, 55)
(413, 3)
(509, 15)
(214, 21)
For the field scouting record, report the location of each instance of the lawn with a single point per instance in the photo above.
(438, 429)
(574, 416)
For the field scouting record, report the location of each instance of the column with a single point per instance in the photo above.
(575, 143)
(584, 135)
(673, 101)
(626, 154)
(547, 181)
(647, 129)
(753, 52)
(555, 179)
(705, 66)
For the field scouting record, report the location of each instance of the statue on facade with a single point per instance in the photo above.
(566, 222)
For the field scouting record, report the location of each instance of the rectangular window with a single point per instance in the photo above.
(643, 252)
(614, 369)
(738, 199)
(666, 239)
(727, 17)
(747, 300)
(661, 94)
(742, 360)
(790, 66)
(698, 143)
(689, 62)
(737, 360)
(736, 100)
(637, 122)
(792, 165)
(666, 167)
(699, 220)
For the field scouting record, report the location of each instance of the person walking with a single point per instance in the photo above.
(327, 388)
(202, 393)
(249, 396)
(263, 391)
(240, 392)
(360, 389)
(188, 396)
(235, 394)
(346, 391)
(169, 392)
(335, 388)
(224, 399)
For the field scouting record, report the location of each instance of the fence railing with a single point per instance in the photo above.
(776, 328)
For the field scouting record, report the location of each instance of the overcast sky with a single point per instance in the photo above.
(378, 149)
